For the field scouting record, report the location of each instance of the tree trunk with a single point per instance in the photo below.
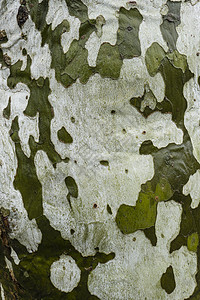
(100, 151)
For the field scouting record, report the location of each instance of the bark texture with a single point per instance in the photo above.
(99, 149)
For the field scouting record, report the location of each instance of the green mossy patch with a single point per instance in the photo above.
(64, 136)
(143, 215)
(193, 242)
(168, 281)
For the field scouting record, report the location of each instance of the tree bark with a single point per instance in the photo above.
(100, 152)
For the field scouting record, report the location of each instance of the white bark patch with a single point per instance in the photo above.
(191, 118)
(192, 187)
(65, 274)
(2, 292)
(56, 14)
(108, 9)
(93, 45)
(188, 42)
(149, 31)
(98, 185)
(136, 270)
(24, 230)
(134, 73)
(96, 129)
(28, 126)
(15, 257)
(41, 58)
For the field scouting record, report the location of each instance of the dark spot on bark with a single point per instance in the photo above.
(129, 28)
(109, 209)
(7, 59)
(3, 37)
(24, 52)
(104, 163)
(72, 119)
(72, 231)
(22, 15)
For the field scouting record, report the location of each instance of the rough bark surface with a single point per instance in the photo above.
(99, 149)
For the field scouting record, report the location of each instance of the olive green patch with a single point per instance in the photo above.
(77, 9)
(178, 60)
(193, 242)
(6, 111)
(109, 61)
(153, 57)
(175, 72)
(64, 136)
(168, 281)
(127, 35)
(132, 218)
(170, 21)
(74, 64)
(26, 180)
